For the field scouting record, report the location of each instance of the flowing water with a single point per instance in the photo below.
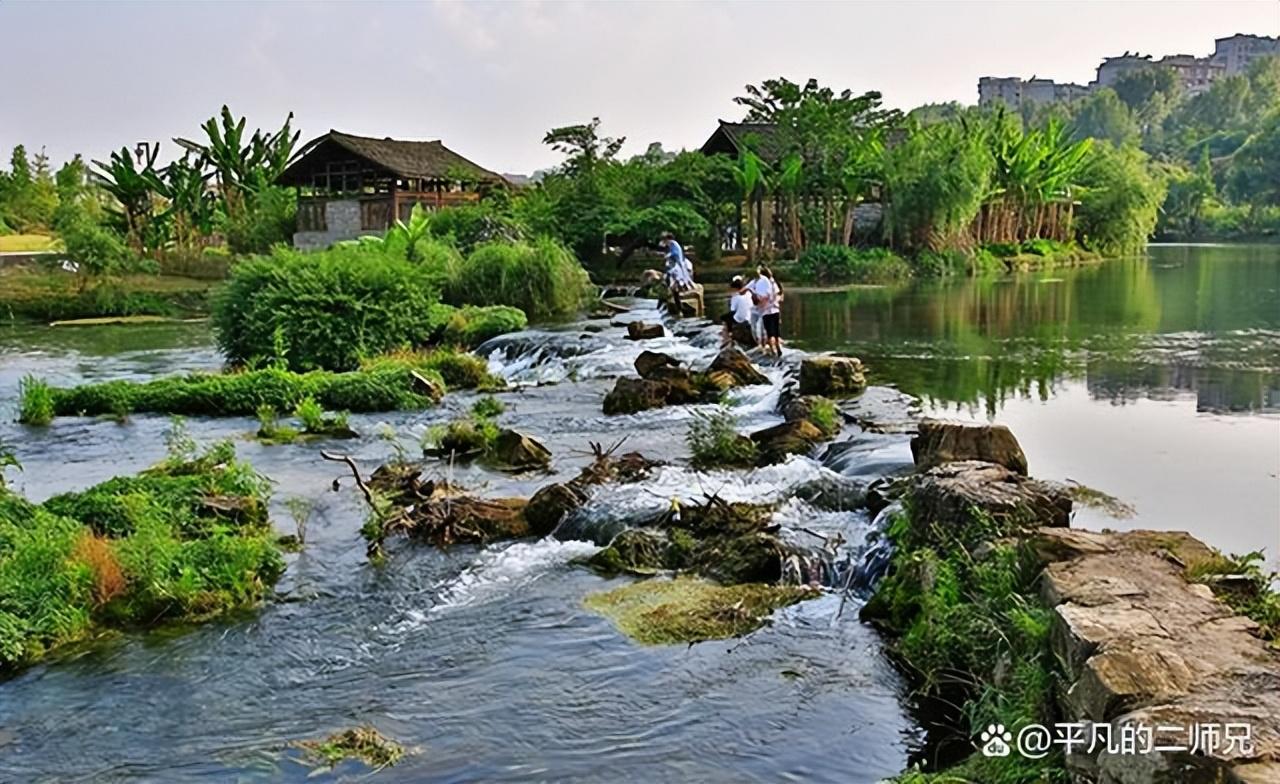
(484, 659)
(1157, 381)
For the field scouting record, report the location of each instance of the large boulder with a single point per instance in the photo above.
(735, 364)
(640, 330)
(656, 366)
(630, 395)
(797, 437)
(955, 494)
(515, 451)
(940, 441)
(742, 334)
(831, 376)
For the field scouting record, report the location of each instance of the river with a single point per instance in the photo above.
(1157, 381)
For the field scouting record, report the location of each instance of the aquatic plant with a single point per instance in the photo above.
(188, 538)
(715, 442)
(360, 743)
(687, 609)
(487, 407)
(825, 416)
(269, 428)
(387, 385)
(300, 509)
(10, 460)
(35, 401)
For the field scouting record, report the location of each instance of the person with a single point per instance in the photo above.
(767, 295)
(740, 307)
(679, 269)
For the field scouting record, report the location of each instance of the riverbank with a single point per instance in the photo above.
(1017, 622)
(29, 293)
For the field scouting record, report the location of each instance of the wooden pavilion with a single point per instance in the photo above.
(352, 185)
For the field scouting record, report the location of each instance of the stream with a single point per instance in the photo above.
(1156, 380)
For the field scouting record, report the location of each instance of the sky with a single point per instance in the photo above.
(490, 78)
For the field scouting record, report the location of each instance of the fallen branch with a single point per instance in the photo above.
(355, 472)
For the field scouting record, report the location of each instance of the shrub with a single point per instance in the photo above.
(268, 219)
(841, 263)
(460, 370)
(1120, 201)
(328, 309)
(35, 406)
(715, 442)
(471, 326)
(469, 226)
(541, 278)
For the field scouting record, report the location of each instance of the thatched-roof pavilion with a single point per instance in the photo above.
(351, 185)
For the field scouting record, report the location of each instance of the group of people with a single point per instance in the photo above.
(756, 300)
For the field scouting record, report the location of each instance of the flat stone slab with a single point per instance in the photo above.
(1142, 647)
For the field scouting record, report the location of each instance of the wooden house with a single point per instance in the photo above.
(350, 186)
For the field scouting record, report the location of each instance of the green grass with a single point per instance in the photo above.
(187, 539)
(972, 633)
(686, 609)
(39, 294)
(386, 385)
(825, 416)
(715, 442)
(1249, 592)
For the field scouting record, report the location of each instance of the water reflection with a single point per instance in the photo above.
(1197, 320)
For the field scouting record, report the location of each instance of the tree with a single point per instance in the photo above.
(751, 175)
(1188, 194)
(1120, 200)
(243, 167)
(1140, 87)
(1103, 115)
(585, 149)
(936, 180)
(1254, 175)
(135, 191)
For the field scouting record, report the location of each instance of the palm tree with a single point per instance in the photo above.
(751, 175)
(134, 190)
(790, 181)
(862, 172)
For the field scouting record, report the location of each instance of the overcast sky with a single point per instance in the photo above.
(490, 78)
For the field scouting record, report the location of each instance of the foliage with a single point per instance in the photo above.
(1254, 175)
(329, 309)
(35, 401)
(387, 385)
(468, 226)
(268, 220)
(133, 551)
(936, 180)
(971, 632)
(715, 442)
(842, 263)
(487, 407)
(1250, 591)
(825, 416)
(1120, 201)
(540, 278)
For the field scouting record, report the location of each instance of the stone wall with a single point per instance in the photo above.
(342, 217)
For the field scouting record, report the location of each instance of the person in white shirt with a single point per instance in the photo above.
(767, 295)
(740, 308)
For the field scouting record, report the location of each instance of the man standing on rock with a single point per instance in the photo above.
(740, 309)
(679, 268)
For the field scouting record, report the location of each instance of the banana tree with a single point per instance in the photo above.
(790, 182)
(192, 208)
(134, 190)
(243, 166)
(862, 172)
(751, 176)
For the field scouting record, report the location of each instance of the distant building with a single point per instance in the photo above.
(1236, 53)
(1195, 74)
(349, 186)
(1014, 92)
(1112, 68)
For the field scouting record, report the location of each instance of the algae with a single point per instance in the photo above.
(688, 610)
(365, 744)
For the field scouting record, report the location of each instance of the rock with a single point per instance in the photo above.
(742, 335)
(630, 395)
(797, 437)
(939, 441)
(656, 366)
(550, 504)
(514, 450)
(954, 492)
(424, 386)
(1140, 646)
(831, 376)
(734, 362)
(883, 410)
(634, 551)
(640, 330)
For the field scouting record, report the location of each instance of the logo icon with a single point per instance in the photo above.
(995, 741)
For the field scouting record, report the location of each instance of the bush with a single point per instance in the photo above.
(541, 278)
(269, 218)
(1120, 201)
(715, 442)
(471, 326)
(469, 226)
(841, 263)
(324, 310)
(461, 370)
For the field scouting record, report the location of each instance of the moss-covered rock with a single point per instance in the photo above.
(734, 362)
(831, 376)
(797, 437)
(687, 610)
(630, 395)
